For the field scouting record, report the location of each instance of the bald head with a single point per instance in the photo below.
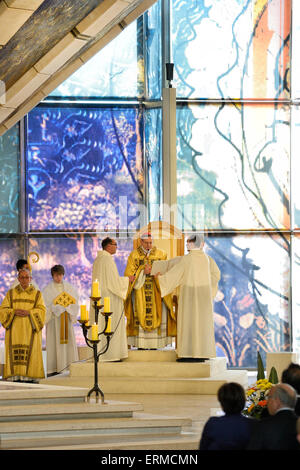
(281, 396)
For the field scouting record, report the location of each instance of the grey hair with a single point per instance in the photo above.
(287, 398)
(197, 239)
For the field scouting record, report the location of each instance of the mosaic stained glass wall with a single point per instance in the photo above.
(233, 162)
(92, 167)
(81, 162)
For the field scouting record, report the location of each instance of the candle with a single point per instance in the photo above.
(95, 289)
(84, 314)
(94, 332)
(106, 304)
(108, 327)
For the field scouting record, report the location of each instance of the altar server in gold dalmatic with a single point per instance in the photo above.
(151, 322)
(61, 299)
(22, 314)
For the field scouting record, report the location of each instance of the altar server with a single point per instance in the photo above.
(61, 299)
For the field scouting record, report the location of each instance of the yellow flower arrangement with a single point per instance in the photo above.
(257, 398)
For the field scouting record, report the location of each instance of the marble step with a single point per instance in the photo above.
(155, 385)
(156, 369)
(89, 431)
(68, 411)
(14, 393)
(179, 442)
(158, 355)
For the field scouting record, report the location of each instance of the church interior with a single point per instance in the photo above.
(174, 116)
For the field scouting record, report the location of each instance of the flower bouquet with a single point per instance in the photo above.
(257, 398)
(257, 395)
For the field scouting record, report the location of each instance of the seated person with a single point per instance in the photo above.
(233, 430)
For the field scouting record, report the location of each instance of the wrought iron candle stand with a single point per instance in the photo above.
(94, 345)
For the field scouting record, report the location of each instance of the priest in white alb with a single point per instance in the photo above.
(61, 300)
(197, 276)
(115, 287)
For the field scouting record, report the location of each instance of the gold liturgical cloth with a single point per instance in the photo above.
(64, 299)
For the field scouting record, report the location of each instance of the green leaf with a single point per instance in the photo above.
(260, 367)
(273, 377)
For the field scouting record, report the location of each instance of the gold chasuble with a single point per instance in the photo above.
(23, 335)
(64, 299)
(147, 311)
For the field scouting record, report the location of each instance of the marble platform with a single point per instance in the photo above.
(155, 372)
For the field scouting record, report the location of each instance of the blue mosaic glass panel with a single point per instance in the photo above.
(231, 49)
(9, 180)
(153, 51)
(84, 168)
(295, 165)
(233, 166)
(251, 308)
(153, 150)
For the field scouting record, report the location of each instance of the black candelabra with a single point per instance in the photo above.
(93, 343)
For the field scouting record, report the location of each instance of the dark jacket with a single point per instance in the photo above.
(278, 432)
(229, 432)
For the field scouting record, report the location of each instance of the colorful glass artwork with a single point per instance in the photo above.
(9, 180)
(84, 168)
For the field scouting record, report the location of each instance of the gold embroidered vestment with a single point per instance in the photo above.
(147, 311)
(23, 335)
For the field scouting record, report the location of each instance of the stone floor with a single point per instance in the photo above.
(196, 407)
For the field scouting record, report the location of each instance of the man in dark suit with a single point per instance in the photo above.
(278, 432)
(291, 376)
(232, 431)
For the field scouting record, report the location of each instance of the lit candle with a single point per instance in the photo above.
(108, 327)
(94, 332)
(95, 289)
(106, 304)
(84, 314)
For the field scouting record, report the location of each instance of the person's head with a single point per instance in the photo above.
(22, 263)
(281, 396)
(195, 242)
(232, 398)
(24, 278)
(146, 241)
(291, 376)
(109, 245)
(57, 273)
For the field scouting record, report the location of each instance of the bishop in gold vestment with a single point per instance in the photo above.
(22, 314)
(151, 322)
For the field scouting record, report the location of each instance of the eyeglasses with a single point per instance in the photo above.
(114, 244)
